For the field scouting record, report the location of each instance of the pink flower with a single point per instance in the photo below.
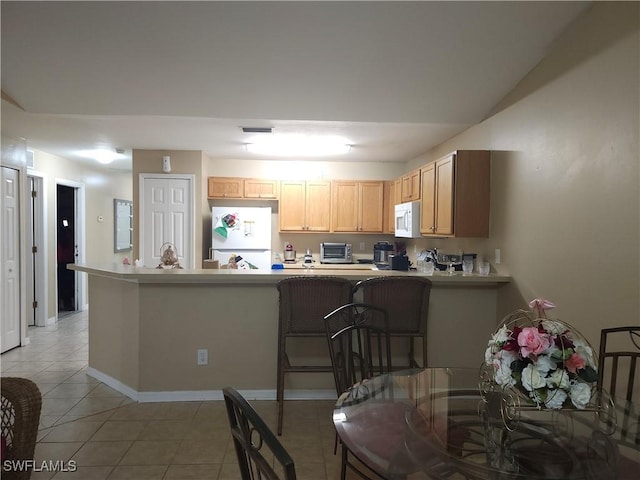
(574, 362)
(533, 342)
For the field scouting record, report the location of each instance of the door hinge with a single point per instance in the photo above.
(35, 304)
(34, 193)
(34, 249)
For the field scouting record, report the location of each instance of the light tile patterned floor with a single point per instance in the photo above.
(111, 437)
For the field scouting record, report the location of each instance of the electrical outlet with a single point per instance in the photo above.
(497, 256)
(203, 356)
(361, 246)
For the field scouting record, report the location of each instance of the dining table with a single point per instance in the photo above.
(442, 423)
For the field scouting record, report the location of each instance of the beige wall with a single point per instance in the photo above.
(101, 186)
(565, 178)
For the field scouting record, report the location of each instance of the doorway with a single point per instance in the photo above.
(36, 270)
(66, 248)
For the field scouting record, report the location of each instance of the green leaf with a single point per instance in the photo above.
(588, 374)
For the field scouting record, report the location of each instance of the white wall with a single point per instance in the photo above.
(101, 186)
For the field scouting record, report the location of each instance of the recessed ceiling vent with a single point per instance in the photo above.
(257, 129)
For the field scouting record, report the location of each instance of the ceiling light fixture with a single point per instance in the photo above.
(101, 155)
(299, 146)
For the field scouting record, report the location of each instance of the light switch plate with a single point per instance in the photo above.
(203, 356)
(497, 256)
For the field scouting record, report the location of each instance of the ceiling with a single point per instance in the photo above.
(393, 78)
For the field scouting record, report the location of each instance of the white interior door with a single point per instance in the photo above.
(166, 215)
(10, 259)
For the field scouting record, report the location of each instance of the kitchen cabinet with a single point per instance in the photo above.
(389, 205)
(411, 186)
(455, 194)
(305, 206)
(357, 206)
(237, 187)
(256, 188)
(225, 187)
(392, 197)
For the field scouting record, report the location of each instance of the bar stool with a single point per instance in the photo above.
(304, 301)
(406, 300)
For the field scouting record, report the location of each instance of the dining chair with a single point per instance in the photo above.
(359, 347)
(260, 453)
(618, 358)
(619, 376)
(21, 405)
(406, 300)
(303, 303)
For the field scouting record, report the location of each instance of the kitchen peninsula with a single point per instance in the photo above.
(147, 325)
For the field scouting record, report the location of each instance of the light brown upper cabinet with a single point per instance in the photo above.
(456, 195)
(305, 206)
(357, 206)
(225, 187)
(411, 186)
(236, 187)
(256, 188)
(389, 206)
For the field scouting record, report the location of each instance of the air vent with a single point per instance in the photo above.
(257, 129)
(30, 159)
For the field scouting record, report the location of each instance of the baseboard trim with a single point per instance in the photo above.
(113, 383)
(205, 395)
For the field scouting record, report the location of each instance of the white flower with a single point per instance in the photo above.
(501, 336)
(544, 364)
(555, 398)
(531, 378)
(488, 355)
(580, 394)
(558, 379)
(553, 327)
(507, 357)
(503, 374)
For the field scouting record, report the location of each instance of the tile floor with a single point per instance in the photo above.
(109, 436)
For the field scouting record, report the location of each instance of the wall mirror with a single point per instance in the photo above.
(123, 225)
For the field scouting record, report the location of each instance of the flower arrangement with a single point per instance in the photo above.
(546, 360)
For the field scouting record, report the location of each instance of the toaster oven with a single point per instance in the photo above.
(335, 253)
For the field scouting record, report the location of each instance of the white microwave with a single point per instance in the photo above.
(407, 220)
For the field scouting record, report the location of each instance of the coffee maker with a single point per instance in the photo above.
(381, 253)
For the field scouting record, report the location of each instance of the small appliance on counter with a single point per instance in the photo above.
(399, 262)
(308, 258)
(335, 253)
(289, 253)
(381, 252)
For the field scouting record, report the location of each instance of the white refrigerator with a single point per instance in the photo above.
(241, 237)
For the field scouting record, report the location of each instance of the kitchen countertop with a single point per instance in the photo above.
(353, 272)
(329, 266)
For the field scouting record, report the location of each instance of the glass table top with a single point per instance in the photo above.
(435, 422)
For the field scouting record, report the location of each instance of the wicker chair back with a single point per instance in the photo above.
(406, 300)
(304, 301)
(21, 404)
